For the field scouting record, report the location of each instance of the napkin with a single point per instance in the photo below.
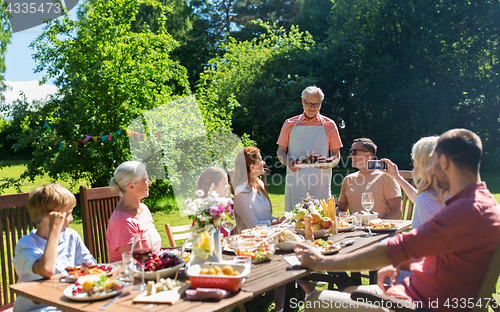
(292, 260)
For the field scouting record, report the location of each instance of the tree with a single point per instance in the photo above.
(107, 76)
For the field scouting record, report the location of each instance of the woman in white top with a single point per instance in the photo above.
(428, 197)
(251, 202)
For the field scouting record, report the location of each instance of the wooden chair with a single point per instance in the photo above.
(486, 290)
(97, 205)
(407, 203)
(15, 222)
(172, 230)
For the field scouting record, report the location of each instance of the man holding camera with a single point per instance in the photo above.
(386, 191)
(303, 135)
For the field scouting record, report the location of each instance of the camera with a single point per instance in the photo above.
(376, 164)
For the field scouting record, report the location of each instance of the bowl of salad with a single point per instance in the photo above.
(257, 249)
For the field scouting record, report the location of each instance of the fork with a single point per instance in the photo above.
(125, 293)
(369, 230)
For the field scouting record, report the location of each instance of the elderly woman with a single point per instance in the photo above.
(251, 202)
(130, 216)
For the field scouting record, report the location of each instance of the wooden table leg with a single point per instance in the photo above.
(289, 294)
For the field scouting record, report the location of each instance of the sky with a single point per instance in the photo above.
(20, 66)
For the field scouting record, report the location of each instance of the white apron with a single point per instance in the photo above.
(307, 140)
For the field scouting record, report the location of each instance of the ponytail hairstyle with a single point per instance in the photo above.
(209, 176)
(126, 173)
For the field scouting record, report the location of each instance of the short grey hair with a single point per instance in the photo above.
(313, 90)
(127, 172)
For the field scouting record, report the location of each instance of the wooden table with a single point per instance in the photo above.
(263, 277)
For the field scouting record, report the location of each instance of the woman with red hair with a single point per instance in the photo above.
(251, 201)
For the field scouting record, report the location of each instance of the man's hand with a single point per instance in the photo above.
(56, 220)
(278, 220)
(387, 272)
(293, 168)
(309, 257)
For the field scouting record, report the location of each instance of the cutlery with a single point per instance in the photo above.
(347, 243)
(125, 293)
(369, 230)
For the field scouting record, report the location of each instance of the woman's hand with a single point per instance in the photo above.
(309, 257)
(392, 168)
(278, 220)
(387, 272)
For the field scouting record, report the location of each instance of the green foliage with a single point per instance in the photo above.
(107, 75)
(5, 34)
(258, 78)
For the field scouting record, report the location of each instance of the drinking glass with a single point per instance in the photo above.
(142, 249)
(229, 224)
(367, 201)
(128, 267)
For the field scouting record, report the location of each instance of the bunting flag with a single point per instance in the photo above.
(46, 125)
(87, 137)
(138, 135)
(131, 133)
(158, 134)
(94, 138)
(103, 138)
(76, 143)
(109, 136)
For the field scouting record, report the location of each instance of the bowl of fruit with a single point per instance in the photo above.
(313, 208)
(258, 249)
(163, 263)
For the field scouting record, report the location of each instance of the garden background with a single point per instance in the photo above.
(391, 70)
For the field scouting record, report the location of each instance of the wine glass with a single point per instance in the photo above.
(367, 201)
(142, 249)
(227, 224)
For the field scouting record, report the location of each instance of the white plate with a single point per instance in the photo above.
(288, 246)
(346, 229)
(68, 293)
(317, 234)
(72, 278)
(328, 252)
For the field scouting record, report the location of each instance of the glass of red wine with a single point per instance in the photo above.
(142, 249)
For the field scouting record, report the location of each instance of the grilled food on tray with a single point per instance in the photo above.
(314, 159)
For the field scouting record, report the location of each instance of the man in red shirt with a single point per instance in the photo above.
(453, 249)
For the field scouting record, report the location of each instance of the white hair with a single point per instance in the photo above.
(313, 90)
(127, 172)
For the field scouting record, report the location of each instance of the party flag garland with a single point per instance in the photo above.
(103, 137)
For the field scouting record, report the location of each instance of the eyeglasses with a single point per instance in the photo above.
(354, 151)
(312, 104)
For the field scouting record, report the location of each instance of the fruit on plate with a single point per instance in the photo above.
(301, 213)
(316, 217)
(216, 270)
(93, 284)
(161, 261)
(89, 269)
(326, 223)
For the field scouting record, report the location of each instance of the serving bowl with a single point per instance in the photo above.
(227, 282)
(288, 246)
(365, 217)
(163, 273)
(258, 249)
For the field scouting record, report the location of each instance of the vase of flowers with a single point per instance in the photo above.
(208, 212)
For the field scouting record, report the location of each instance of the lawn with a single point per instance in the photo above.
(276, 194)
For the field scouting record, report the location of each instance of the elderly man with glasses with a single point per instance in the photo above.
(386, 191)
(307, 134)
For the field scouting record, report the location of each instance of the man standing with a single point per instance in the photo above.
(386, 191)
(303, 135)
(453, 249)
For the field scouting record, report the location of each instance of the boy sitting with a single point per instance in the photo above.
(53, 246)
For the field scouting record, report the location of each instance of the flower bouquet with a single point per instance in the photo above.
(208, 213)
